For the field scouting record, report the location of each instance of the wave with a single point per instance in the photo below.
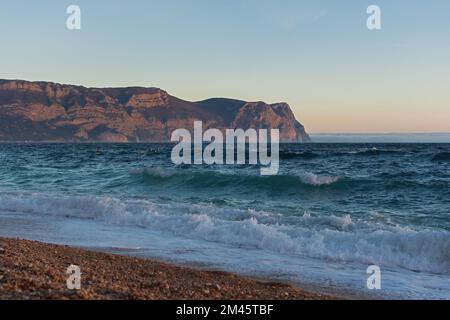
(375, 152)
(358, 152)
(211, 178)
(236, 181)
(321, 237)
(296, 154)
(317, 180)
(441, 157)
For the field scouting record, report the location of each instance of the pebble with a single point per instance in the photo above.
(125, 278)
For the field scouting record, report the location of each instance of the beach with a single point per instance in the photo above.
(35, 270)
(319, 224)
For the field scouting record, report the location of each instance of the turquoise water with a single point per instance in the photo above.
(333, 210)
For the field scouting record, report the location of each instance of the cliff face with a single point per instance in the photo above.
(44, 111)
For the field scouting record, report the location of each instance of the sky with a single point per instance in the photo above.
(317, 55)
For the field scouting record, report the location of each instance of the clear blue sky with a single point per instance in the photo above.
(317, 55)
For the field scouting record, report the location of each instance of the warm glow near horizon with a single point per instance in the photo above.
(318, 56)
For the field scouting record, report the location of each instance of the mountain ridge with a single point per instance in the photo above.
(53, 112)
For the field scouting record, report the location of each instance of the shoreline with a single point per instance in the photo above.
(36, 270)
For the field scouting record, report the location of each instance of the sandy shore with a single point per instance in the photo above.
(33, 270)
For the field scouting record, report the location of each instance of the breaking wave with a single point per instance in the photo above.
(204, 178)
(334, 238)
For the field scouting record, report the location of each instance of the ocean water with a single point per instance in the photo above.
(333, 210)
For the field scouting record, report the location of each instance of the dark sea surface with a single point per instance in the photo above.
(333, 210)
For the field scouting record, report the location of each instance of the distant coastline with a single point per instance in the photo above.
(47, 111)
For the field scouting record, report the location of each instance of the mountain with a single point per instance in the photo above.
(46, 111)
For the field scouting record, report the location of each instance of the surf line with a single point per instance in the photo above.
(235, 145)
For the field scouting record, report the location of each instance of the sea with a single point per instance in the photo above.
(333, 210)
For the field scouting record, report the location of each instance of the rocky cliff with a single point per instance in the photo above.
(45, 111)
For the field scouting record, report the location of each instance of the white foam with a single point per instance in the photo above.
(323, 237)
(317, 180)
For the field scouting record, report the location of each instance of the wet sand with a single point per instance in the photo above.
(34, 270)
